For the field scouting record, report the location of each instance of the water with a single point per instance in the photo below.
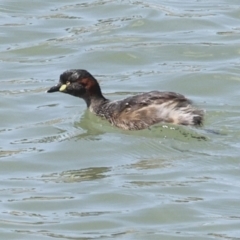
(65, 174)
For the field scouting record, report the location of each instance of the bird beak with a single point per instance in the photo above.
(58, 88)
(55, 88)
(63, 88)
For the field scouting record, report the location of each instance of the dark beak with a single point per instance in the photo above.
(54, 88)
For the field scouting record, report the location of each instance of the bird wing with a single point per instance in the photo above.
(151, 98)
(143, 110)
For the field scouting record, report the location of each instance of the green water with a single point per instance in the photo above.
(65, 174)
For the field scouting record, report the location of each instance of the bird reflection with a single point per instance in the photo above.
(85, 174)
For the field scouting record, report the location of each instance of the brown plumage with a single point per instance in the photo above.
(132, 113)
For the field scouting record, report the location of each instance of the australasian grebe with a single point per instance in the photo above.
(132, 113)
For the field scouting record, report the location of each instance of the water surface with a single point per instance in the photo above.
(65, 174)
